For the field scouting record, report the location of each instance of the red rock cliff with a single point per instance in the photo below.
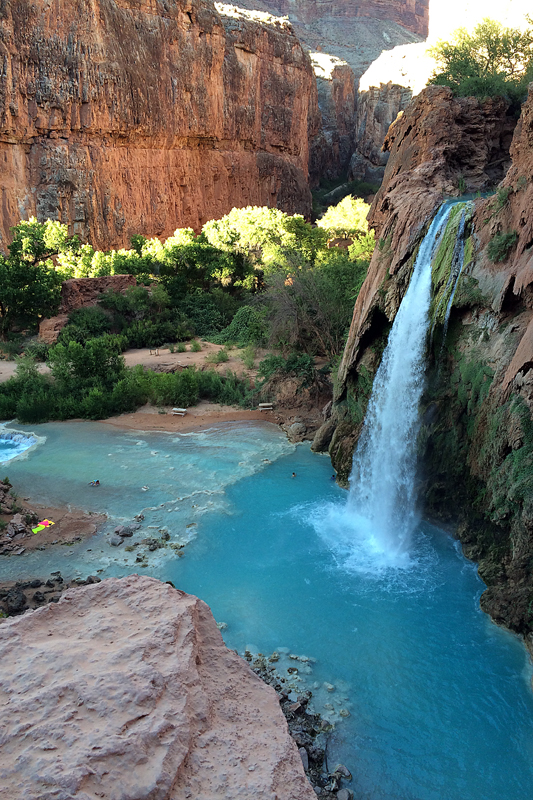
(127, 116)
(412, 14)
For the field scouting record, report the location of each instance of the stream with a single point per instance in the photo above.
(439, 698)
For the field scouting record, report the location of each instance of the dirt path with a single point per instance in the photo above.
(165, 361)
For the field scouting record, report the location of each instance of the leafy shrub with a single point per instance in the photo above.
(247, 327)
(300, 365)
(501, 245)
(195, 346)
(248, 357)
(12, 347)
(347, 218)
(147, 333)
(202, 314)
(219, 357)
(37, 350)
(502, 196)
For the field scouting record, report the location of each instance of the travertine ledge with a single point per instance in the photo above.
(125, 690)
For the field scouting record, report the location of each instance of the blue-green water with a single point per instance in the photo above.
(13, 444)
(439, 698)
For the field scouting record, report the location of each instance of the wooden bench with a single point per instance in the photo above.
(179, 412)
(266, 407)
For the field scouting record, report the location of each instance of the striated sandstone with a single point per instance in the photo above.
(332, 148)
(377, 108)
(144, 115)
(125, 689)
(354, 34)
(411, 14)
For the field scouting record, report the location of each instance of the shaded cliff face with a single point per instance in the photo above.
(144, 116)
(354, 33)
(476, 441)
(332, 147)
(377, 108)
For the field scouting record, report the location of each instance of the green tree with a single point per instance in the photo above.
(36, 242)
(30, 281)
(347, 219)
(78, 367)
(490, 61)
(268, 237)
(311, 310)
(28, 292)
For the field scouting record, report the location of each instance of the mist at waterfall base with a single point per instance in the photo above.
(439, 698)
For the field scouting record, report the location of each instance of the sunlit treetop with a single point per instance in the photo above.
(491, 61)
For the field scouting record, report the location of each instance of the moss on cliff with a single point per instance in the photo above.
(478, 464)
(450, 261)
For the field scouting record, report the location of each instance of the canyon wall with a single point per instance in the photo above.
(351, 36)
(128, 116)
(411, 14)
(145, 703)
(476, 442)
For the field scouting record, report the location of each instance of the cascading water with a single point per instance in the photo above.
(13, 444)
(381, 499)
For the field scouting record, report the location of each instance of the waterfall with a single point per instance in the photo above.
(381, 500)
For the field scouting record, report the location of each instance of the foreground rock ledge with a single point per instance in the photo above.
(124, 690)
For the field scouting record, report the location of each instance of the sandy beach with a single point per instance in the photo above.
(202, 415)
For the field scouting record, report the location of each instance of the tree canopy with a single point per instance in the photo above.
(347, 219)
(30, 284)
(492, 60)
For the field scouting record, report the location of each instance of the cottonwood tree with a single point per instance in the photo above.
(492, 60)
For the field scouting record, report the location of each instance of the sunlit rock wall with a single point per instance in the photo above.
(128, 116)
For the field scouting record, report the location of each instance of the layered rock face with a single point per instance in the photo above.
(377, 108)
(477, 435)
(135, 116)
(332, 148)
(144, 703)
(411, 14)
(351, 35)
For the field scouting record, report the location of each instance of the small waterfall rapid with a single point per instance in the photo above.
(381, 500)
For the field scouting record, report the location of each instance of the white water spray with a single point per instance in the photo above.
(381, 501)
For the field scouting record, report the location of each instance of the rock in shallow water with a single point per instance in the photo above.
(125, 689)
